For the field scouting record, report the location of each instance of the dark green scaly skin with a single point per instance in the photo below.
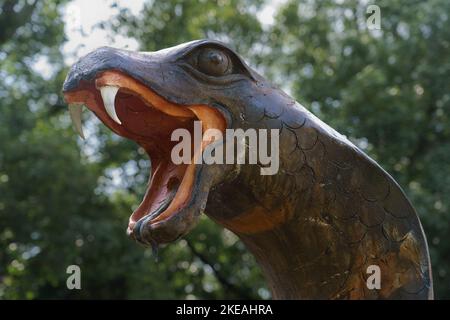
(314, 227)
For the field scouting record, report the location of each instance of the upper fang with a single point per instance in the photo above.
(109, 95)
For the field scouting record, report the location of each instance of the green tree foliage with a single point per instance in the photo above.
(168, 23)
(60, 203)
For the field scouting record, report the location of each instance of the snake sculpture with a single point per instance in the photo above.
(316, 227)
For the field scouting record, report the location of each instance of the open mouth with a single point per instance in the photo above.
(134, 111)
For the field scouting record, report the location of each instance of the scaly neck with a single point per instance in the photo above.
(306, 252)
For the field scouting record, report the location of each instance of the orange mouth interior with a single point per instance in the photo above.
(149, 119)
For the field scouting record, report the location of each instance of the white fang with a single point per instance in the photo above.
(109, 95)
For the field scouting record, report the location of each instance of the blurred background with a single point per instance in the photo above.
(65, 201)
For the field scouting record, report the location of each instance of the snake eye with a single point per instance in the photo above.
(214, 62)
